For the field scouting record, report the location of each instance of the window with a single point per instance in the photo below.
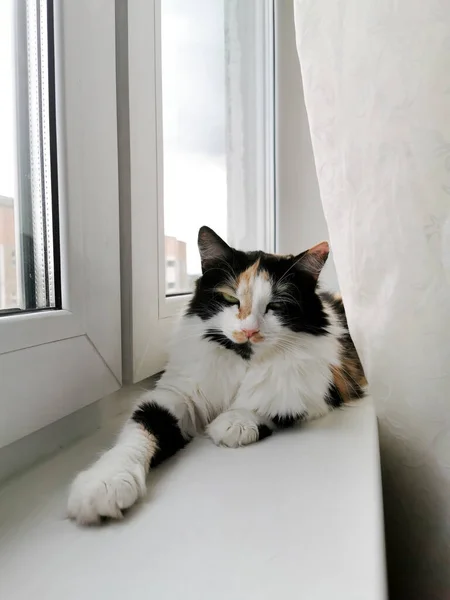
(201, 130)
(60, 329)
(78, 85)
(28, 174)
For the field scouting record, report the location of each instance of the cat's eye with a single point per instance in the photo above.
(273, 306)
(230, 299)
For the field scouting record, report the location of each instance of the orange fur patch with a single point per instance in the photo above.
(240, 337)
(341, 383)
(354, 370)
(245, 284)
(346, 376)
(151, 446)
(257, 337)
(249, 274)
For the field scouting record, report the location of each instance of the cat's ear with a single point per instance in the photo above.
(212, 248)
(313, 260)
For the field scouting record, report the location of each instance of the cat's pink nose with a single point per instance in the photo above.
(250, 332)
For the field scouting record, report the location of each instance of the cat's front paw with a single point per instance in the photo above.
(235, 428)
(104, 490)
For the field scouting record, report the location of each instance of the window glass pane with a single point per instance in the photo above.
(28, 217)
(213, 102)
(8, 275)
(194, 125)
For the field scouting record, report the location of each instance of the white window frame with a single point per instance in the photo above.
(55, 362)
(153, 314)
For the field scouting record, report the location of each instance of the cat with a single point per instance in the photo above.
(258, 349)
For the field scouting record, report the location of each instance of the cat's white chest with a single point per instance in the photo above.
(286, 386)
(220, 377)
(208, 375)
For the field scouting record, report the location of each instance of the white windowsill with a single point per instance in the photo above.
(298, 515)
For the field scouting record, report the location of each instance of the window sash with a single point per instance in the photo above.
(54, 362)
(149, 313)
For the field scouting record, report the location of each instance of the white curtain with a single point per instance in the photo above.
(376, 76)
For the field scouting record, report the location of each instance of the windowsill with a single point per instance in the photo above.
(29, 450)
(297, 515)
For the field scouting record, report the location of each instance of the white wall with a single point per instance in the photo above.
(301, 222)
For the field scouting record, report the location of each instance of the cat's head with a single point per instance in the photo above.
(248, 300)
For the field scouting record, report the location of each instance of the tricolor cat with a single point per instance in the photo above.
(258, 349)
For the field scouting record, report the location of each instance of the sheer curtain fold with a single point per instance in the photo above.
(376, 79)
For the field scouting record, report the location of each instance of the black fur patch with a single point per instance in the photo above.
(333, 398)
(264, 432)
(286, 421)
(337, 305)
(164, 426)
(299, 307)
(245, 351)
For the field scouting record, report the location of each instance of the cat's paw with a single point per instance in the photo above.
(104, 490)
(235, 428)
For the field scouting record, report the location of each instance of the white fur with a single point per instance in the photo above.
(236, 427)
(206, 384)
(115, 481)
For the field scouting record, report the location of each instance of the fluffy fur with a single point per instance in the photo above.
(258, 349)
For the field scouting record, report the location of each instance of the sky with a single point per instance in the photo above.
(194, 120)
